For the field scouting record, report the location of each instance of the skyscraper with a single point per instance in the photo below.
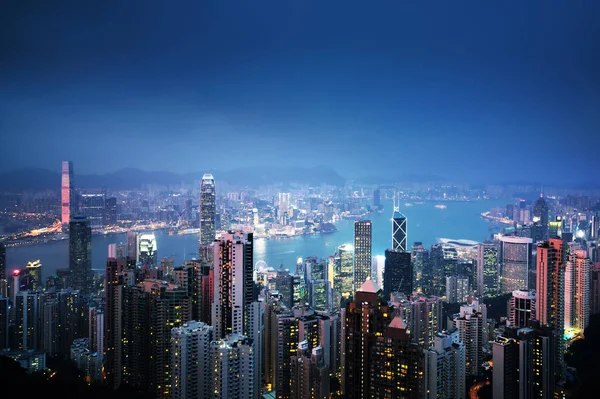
(398, 273)
(399, 232)
(377, 198)
(364, 319)
(445, 363)
(66, 193)
(515, 258)
(80, 253)
(233, 283)
(362, 251)
(577, 291)
(487, 270)
(309, 374)
(233, 369)
(2, 263)
(423, 316)
(207, 209)
(343, 274)
(471, 324)
(540, 220)
(146, 249)
(191, 375)
(92, 206)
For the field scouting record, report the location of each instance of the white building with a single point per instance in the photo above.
(233, 371)
(445, 364)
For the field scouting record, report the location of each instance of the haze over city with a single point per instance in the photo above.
(475, 91)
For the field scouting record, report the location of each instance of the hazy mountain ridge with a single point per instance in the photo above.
(35, 179)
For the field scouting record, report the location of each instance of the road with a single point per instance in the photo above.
(474, 390)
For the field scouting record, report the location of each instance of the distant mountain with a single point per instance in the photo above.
(130, 178)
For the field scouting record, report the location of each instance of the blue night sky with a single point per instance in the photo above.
(474, 90)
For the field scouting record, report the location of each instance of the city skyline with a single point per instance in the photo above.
(471, 88)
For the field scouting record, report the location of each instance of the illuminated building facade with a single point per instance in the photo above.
(471, 324)
(80, 253)
(399, 232)
(66, 193)
(423, 316)
(146, 249)
(577, 291)
(27, 321)
(207, 209)
(233, 284)
(363, 238)
(487, 270)
(344, 270)
(33, 269)
(515, 262)
(540, 220)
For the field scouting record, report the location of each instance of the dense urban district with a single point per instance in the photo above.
(514, 315)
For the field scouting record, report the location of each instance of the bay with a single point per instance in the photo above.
(425, 223)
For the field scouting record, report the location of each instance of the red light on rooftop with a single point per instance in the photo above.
(16, 272)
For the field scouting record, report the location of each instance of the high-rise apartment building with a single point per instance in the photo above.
(364, 319)
(505, 355)
(233, 369)
(363, 242)
(309, 373)
(420, 261)
(80, 253)
(398, 273)
(423, 315)
(515, 262)
(207, 209)
(577, 291)
(233, 288)
(191, 372)
(471, 324)
(66, 193)
(457, 289)
(2, 265)
(445, 363)
(487, 270)
(27, 322)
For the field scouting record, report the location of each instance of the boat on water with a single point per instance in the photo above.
(440, 206)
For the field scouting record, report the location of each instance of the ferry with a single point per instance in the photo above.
(440, 206)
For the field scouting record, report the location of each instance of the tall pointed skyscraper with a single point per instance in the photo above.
(207, 209)
(66, 190)
(398, 228)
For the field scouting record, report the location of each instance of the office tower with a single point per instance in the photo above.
(397, 365)
(471, 324)
(595, 289)
(362, 251)
(419, 259)
(232, 365)
(555, 227)
(438, 270)
(540, 219)
(233, 287)
(550, 284)
(146, 249)
(377, 268)
(319, 295)
(28, 329)
(110, 211)
(284, 341)
(191, 360)
(487, 270)
(80, 253)
(309, 374)
(521, 308)
(398, 273)
(344, 270)
(92, 207)
(207, 209)
(423, 315)
(515, 262)
(377, 198)
(67, 194)
(457, 289)
(4, 323)
(364, 319)
(283, 208)
(399, 228)
(284, 283)
(505, 355)
(445, 363)
(132, 245)
(33, 269)
(577, 292)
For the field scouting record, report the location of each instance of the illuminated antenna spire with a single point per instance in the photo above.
(396, 203)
